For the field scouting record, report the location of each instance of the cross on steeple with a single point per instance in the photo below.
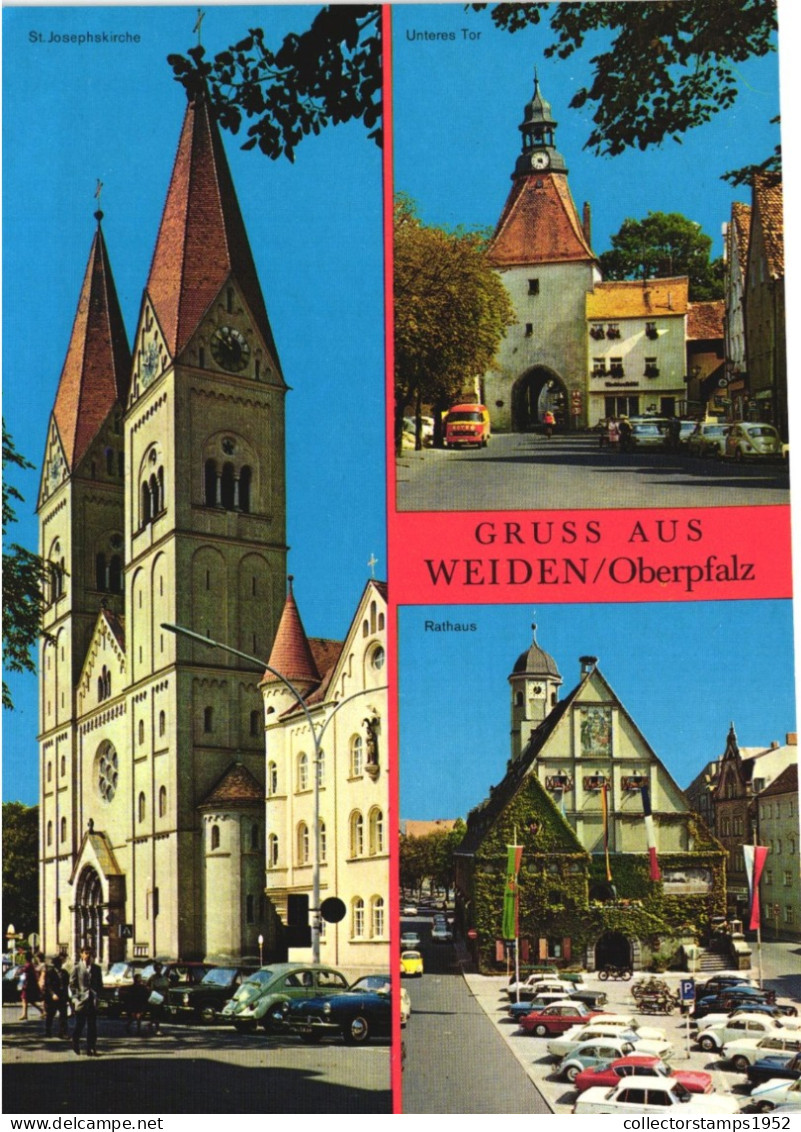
(98, 191)
(201, 15)
(372, 562)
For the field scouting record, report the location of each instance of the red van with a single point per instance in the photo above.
(467, 424)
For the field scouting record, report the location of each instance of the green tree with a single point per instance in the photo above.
(664, 67)
(444, 286)
(24, 576)
(662, 245)
(20, 867)
(328, 74)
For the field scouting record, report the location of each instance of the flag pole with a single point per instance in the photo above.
(517, 932)
(759, 921)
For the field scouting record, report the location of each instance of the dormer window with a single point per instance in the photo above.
(613, 330)
(596, 331)
(650, 330)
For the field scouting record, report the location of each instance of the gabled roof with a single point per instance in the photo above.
(291, 653)
(784, 783)
(202, 240)
(638, 298)
(705, 319)
(237, 787)
(768, 213)
(741, 231)
(97, 367)
(539, 224)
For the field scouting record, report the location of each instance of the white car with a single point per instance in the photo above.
(775, 1092)
(745, 1026)
(748, 1051)
(560, 1047)
(537, 983)
(441, 933)
(653, 1094)
(630, 1022)
(410, 941)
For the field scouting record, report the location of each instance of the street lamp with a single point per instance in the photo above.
(261, 950)
(316, 739)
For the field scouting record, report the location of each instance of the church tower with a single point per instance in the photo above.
(81, 537)
(535, 683)
(542, 251)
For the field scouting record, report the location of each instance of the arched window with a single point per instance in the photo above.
(356, 756)
(380, 622)
(303, 844)
(49, 833)
(162, 724)
(357, 918)
(101, 581)
(245, 476)
(376, 831)
(140, 806)
(323, 843)
(303, 771)
(215, 837)
(155, 495)
(272, 778)
(49, 771)
(356, 835)
(227, 487)
(208, 719)
(254, 837)
(141, 732)
(321, 768)
(146, 513)
(110, 461)
(63, 765)
(210, 476)
(255, 719)
(377, 917)
(63, 830)
(272, 851)
(250, 912)
(162, 801)
(115, 574)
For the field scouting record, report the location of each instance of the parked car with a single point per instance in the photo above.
(467, 424)
(409, 941)
(535, 980)
(265, 997)
(554, 1019)
(745, 1052)
(411, 963)
(607, 1075)
(728, 1000)
(686, 430)
(597, 1051)
(204, 1002)
(441, 933)
(708, 439)
(763, 1009)
(559, 1047)
(362, 1012)
(785, 1065)
(409, 910)
(775, 1092)
(721, 982)
(743, 1026)
(649, 432)
(752, 441)
(180, 975)
(653, 1094)
(117, 983)
(11, 987)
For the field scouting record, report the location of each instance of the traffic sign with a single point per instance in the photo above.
(687, 990)
(125, 931)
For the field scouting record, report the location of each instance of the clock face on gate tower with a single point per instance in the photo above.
(540, 160)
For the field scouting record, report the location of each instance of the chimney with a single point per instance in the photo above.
(792, 739)
(774, 744)
(586, 222)
(588, 664)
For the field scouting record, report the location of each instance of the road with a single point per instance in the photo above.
(526, 470)
(456, 1062)
(189, 1069)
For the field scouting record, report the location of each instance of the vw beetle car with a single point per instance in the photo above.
(411, 963)
(748, 440)
(363, 1012)
(266, 997)
(203, 1002)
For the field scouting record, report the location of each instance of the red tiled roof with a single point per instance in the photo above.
(784, 783)
(237, 787)
(291, 653)
(741, 225)
(705, 320)
(98, 364)
(202, 239)
(768, 208)
(539, 224)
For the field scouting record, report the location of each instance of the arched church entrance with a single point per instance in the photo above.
(533, 394)
(88, 913)
(615, 949)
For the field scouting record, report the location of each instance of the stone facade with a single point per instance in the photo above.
(780, 891)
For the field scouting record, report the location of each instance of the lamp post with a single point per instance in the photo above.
(316, 739)
(261, 950)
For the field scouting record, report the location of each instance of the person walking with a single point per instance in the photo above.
(30, 995)
(625, 429)
(56, 996)
(549, 420)
(86, 983)
(158, 985)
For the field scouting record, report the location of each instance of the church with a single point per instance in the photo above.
(616, 868)
(163, 500)
(583, 349)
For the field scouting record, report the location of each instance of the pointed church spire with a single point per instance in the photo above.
(202, 239)
(291, 654)
(98, 363)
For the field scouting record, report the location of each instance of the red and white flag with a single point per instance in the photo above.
(650, 834)
(755, 857)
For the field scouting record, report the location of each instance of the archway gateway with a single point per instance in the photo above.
(88, 913)
(613, 949)
(535, 392)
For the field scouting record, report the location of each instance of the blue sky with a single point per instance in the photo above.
(73, 114)
(683, 670)
(458, 105)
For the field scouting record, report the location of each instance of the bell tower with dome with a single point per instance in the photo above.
(535, 681)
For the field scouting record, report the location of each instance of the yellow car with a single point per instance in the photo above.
(411, 963)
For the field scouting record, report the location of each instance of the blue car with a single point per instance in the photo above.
(361, 1013)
